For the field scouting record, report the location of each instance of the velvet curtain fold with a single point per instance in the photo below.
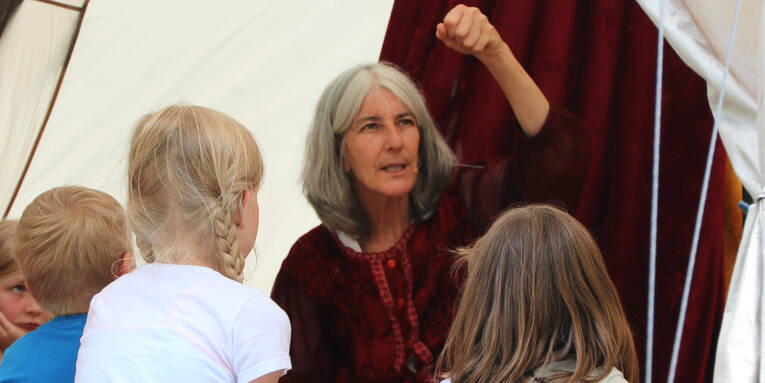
(598, 59)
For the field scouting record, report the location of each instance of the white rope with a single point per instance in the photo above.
(702, 203)
(654, 200)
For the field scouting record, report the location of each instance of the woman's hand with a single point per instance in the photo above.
(468, 31)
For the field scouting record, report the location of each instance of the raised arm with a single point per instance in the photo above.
(551, 164)
(468, 31)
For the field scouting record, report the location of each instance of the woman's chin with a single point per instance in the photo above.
(399, 191)
(390, 189)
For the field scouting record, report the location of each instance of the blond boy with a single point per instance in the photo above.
(71, 242)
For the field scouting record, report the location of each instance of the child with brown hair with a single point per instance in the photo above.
(193, 177)
(538, 307)
(19, 312)
(71, 242)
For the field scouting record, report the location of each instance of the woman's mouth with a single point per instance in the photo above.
(396, 168)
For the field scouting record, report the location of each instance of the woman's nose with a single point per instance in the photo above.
(394, 138)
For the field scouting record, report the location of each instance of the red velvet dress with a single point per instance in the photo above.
(383, 317)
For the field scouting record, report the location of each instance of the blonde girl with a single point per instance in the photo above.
(538, 306)
(193, 176)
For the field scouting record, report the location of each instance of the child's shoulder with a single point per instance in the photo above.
(26, 346)
(62, 332)
(166, 285)
(164, 275)
(159, 295)
(569, 365)
(54, 345)
(260, 305)
(615, 376)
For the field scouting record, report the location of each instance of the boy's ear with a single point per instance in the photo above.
(126, 264)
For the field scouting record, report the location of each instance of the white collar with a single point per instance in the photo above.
(348, 242)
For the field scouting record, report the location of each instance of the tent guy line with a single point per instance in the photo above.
(702, 203)
(654, 200)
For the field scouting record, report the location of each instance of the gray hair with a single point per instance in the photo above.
(326, 184)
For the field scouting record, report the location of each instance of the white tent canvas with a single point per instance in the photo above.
(264, 63)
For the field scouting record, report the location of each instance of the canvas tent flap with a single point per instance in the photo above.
(739, 348)
(264, 63)
(741, 345)
(706, 56)
(33, 50)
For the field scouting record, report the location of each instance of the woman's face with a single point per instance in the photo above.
(18, 305)
(381, 146)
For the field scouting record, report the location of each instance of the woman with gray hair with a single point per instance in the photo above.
(369, 292)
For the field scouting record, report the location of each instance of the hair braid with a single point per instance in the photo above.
(144, 246)
(226, 239)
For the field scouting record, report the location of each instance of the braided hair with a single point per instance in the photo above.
(188, 170)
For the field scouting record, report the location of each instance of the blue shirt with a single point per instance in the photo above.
(48, 354)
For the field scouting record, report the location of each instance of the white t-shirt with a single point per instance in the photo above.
(181, 323)
(569, 365)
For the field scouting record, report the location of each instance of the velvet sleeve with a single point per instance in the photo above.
(314, 360)
(550, 167)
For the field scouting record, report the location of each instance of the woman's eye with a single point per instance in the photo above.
(405, 122)
(369, 127)
(19, 288)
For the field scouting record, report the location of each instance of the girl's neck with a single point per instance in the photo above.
(187, 249)
(388, 219)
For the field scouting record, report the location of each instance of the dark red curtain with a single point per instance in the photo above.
(598, 59)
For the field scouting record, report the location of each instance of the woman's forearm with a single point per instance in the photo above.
(526, 99)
